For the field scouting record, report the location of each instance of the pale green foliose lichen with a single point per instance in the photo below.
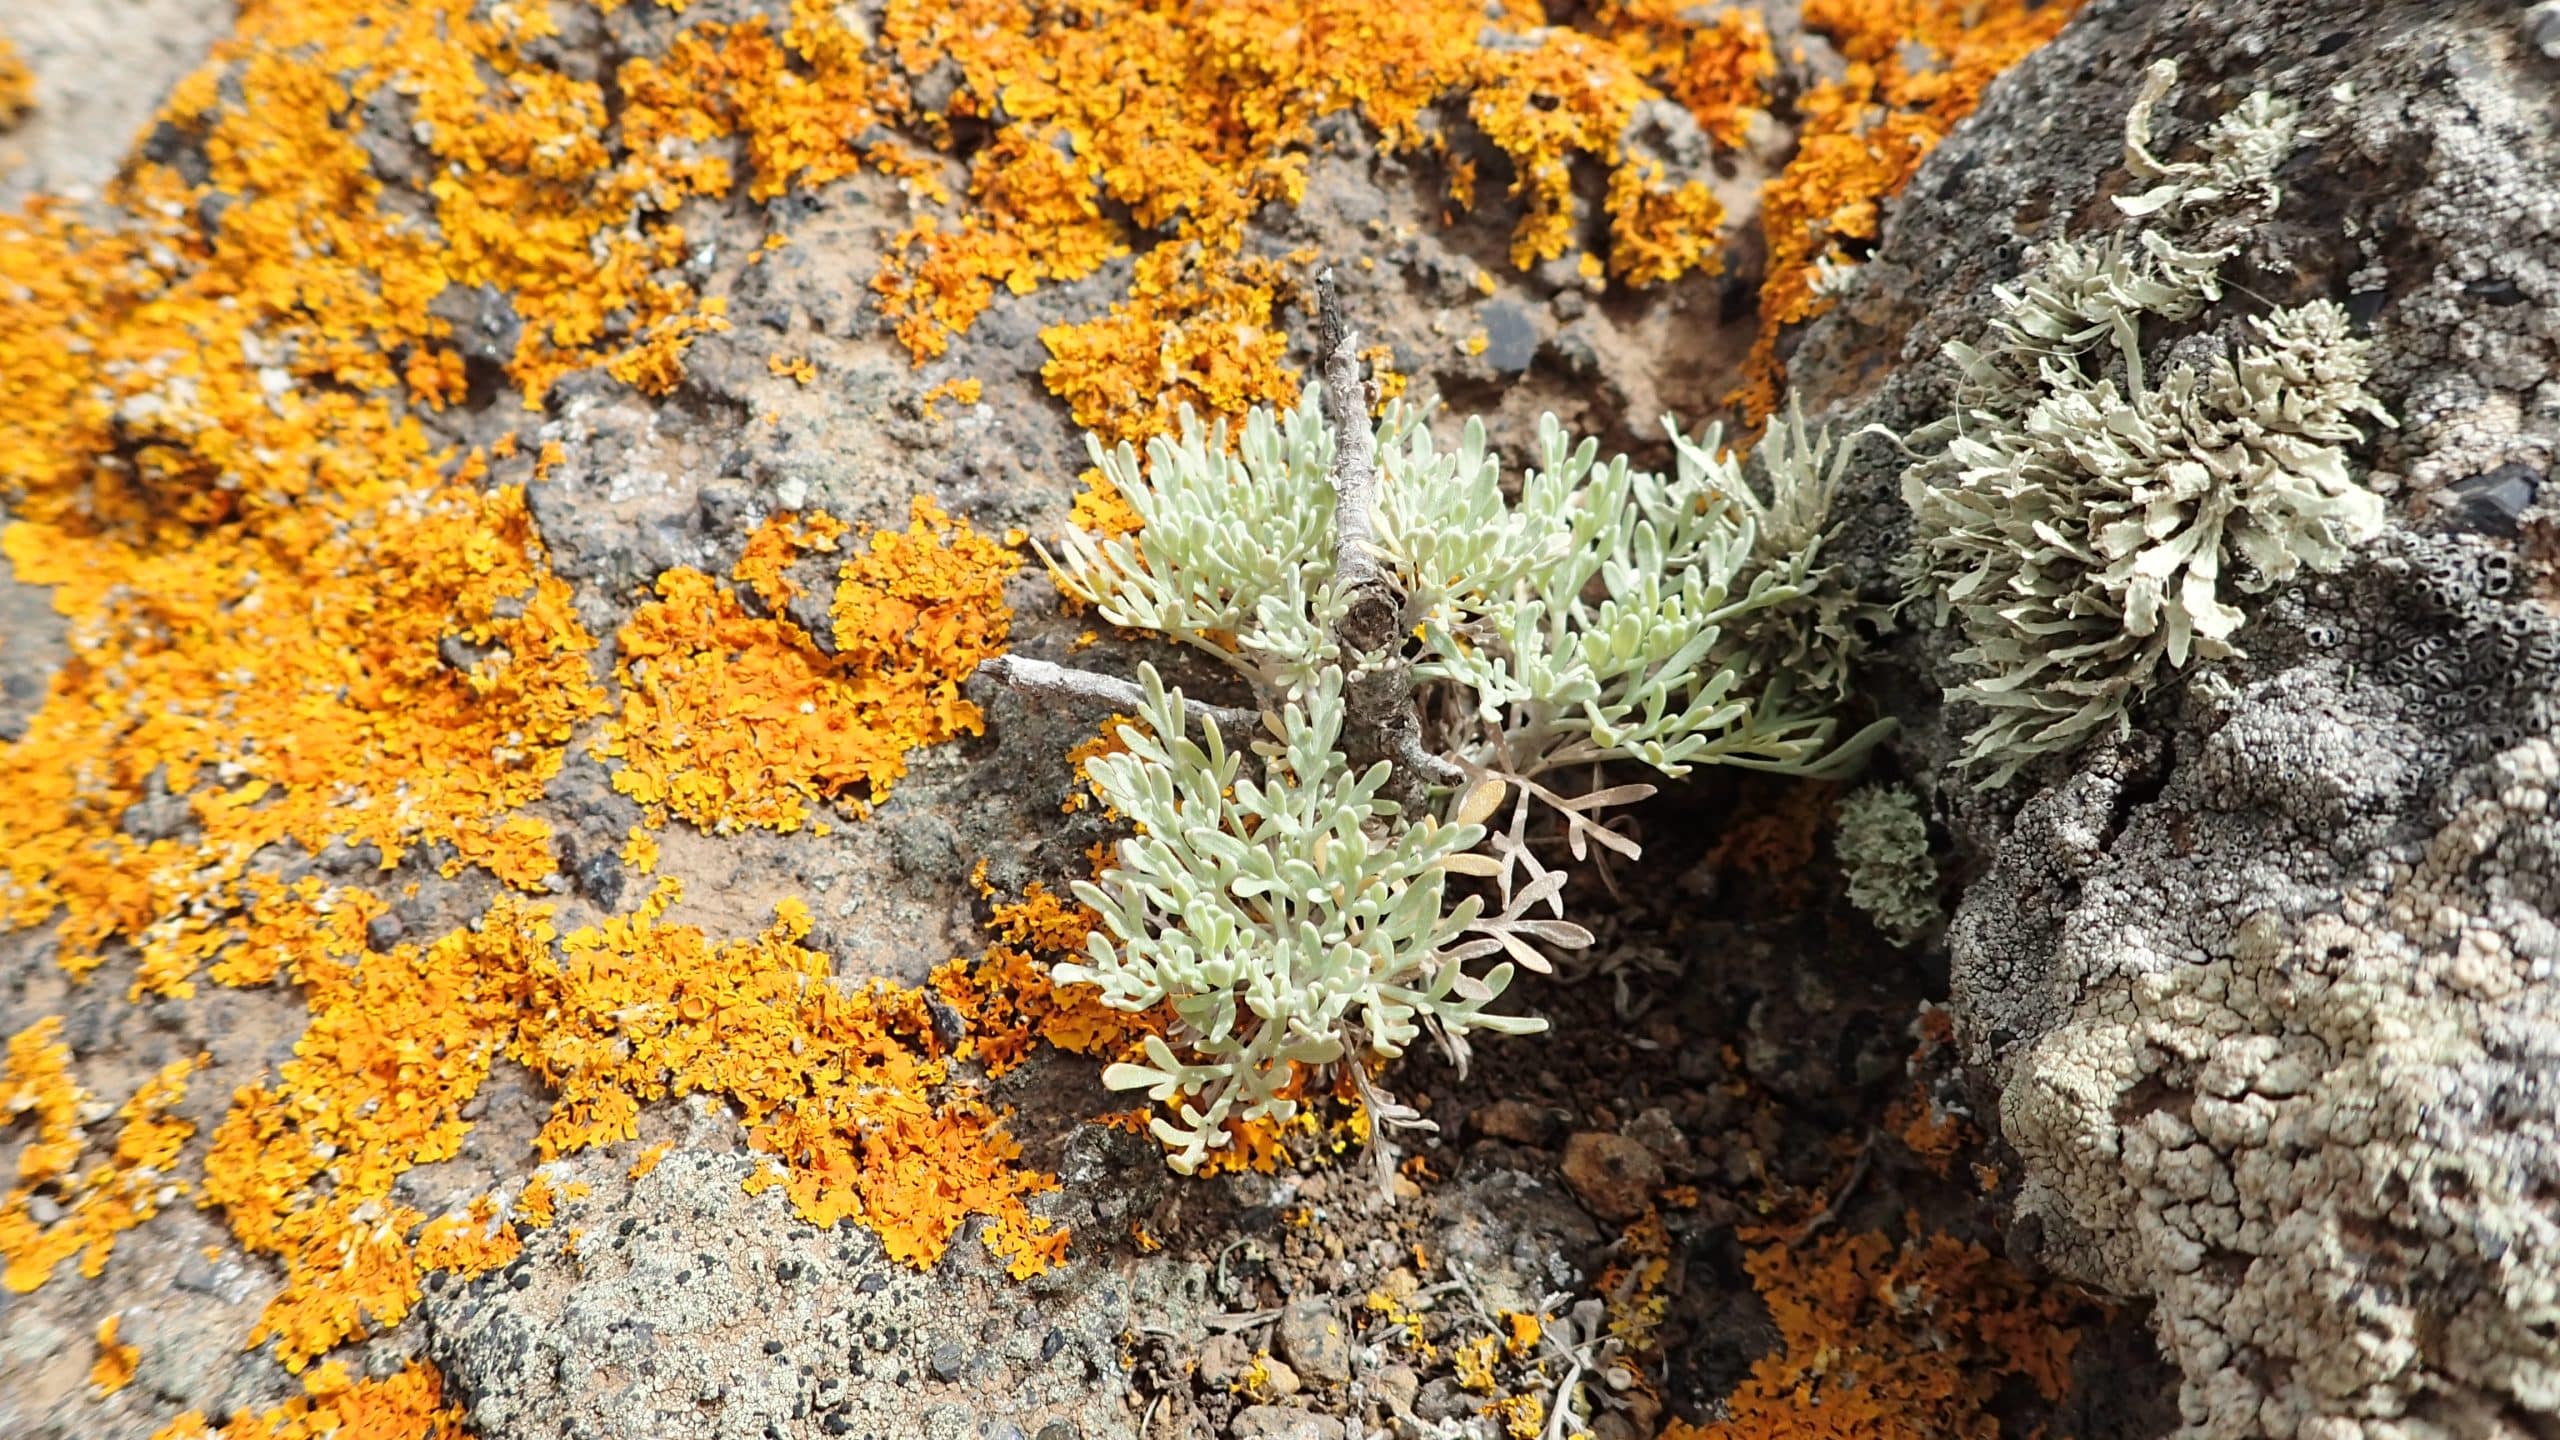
(1883, 845)
(2084, 524)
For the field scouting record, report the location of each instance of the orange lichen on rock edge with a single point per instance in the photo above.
(409, 1404)
(1916, 67)
(1889, 1340)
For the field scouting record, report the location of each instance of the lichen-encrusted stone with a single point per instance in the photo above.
(2267, 993)
(707, 1312)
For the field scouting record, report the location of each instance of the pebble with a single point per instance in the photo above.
(1314, 1339)
(1282, 1422)
(1614, 1176)
(1517, 1121)
(1224, 1362)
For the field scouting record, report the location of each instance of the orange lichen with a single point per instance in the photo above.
(398, 1043)
(731, 719)
(846, 1088)
(1933, 1134)
(1196, 331)
(1105, 741)
(1188, 119)
(1773, 843)
(407, 1405)
(299, 620)
(1010, 1003)
(1916, 67)
(17, 86)
(966, 391)
(116, 1362)
(1720, 69)
(1893, 1341)
(839, 1084)
(471, 1244)
(798, 368)
(126, 1188)
(649, 1159)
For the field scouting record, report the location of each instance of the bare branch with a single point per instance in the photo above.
(1040, 680)
(1355, 448)
(1378, 690)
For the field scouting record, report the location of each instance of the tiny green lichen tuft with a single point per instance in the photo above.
(2081, 521)
(1883, 845)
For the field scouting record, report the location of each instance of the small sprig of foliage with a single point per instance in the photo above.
(2083, 523)
(1321, 905)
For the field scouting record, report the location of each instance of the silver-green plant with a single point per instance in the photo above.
(2083, 523)
(1421, 647)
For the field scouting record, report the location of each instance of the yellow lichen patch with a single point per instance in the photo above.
(1895, 1341)
(730, 719)
(116, 1362)
(966, 391)
(1916, 67)
(1720, 69)
(407, 1405)
(126, 1188)
(839, 1084)
(1523, 1417)
(1009, 1001)
(1474, 1362)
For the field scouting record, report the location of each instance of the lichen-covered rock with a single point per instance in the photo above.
(2266, 991)
(703, 1311)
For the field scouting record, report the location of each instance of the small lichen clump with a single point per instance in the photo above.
(1884, 856)
(2079, 520)
(126, 1187)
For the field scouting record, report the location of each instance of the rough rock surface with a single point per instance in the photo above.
(2267, 993)
(708, 1311)
(100, 71)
